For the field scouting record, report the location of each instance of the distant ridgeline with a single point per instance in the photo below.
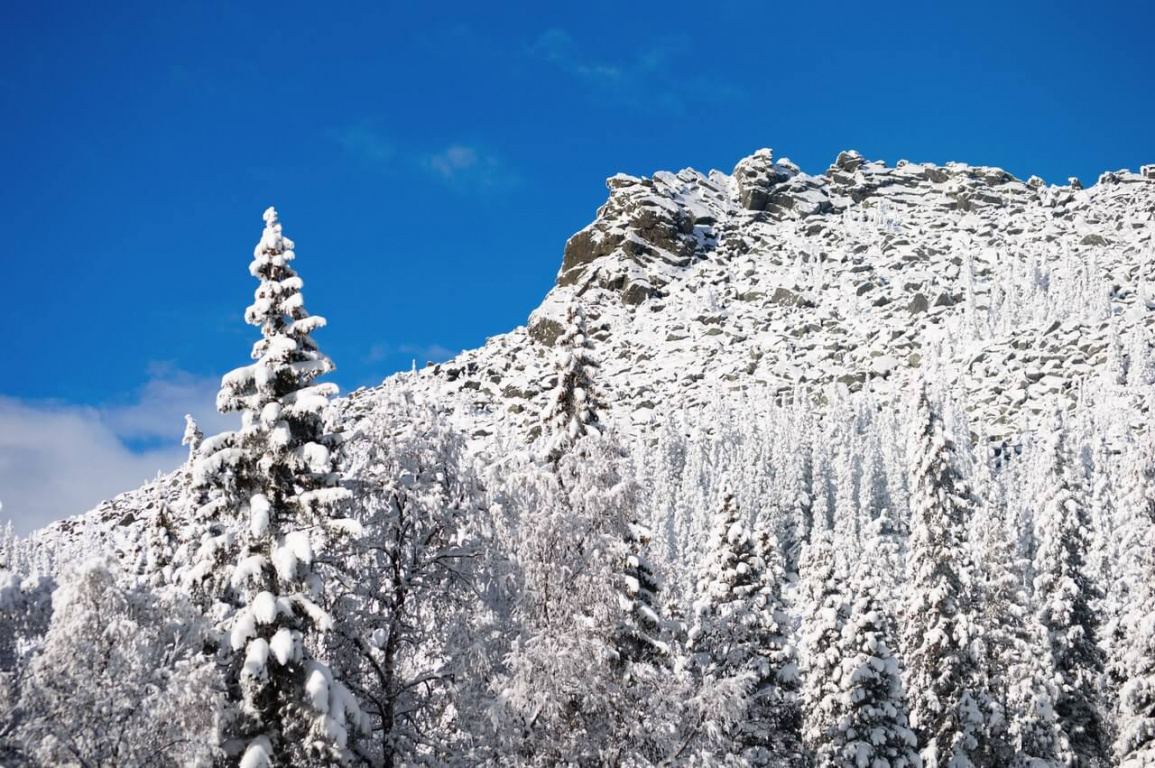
(787, 470)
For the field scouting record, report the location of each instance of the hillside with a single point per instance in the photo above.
(772, 281)
(786, 470)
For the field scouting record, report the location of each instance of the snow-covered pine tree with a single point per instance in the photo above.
(159, 547)
(8, 547)
(848, 511)
(885, 549)
(793, 473)
(1135, 743)
(193, 436)
(587, 609)
(825, 608)
(938, 631)
(575, 404)
(741, 628)
(1018, 691)
(639, 636)
(1140, 372)
(1065, 598)
(575, 412)
(273, 499)
(875, 730)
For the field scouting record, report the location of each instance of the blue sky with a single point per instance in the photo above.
(431, 160)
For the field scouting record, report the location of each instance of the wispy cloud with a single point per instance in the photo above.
(58, 459)
(459, 165)
(651, 78)
(471, 167)
(367, 143)
(422, 353)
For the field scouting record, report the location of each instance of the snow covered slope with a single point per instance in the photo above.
(772, 280)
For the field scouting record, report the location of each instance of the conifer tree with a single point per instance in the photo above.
(940, 666)
(8, 547)
(824, 613)
(640, 633)
(272, 499)
(741, 628)
(575, 405)
(795, 501)
(193, 436)
(1135, 743)
(875, 730)
(885, 552)
(159, 548)
(1065, 599)
(590, 639)
(1018, 672)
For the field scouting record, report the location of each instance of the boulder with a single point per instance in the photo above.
(755, 175)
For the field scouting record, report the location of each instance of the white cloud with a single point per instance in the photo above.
(367, 143)
(421, 353)
(652, 78)
(58, 460)
(460, 165)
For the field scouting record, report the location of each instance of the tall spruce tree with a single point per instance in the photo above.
(741, 627)
(1018, 671)
(825, 609)
(940, 665)
(575, 405)
(875, 730)
(1135, 743)
(272, 500)
(1065, 599)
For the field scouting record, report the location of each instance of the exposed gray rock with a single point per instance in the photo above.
(755, 175)
(545, 331)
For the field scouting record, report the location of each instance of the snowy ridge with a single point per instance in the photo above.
(773, 281)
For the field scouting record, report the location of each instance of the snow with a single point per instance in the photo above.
(285, 562)
(300, 544)
(317, 688)
(244, 627)
(259, 754)
(283, 646)
(256, 658)
(346, 526)
(264, 608)
(316, 614)
(248, 568)
(259, 508)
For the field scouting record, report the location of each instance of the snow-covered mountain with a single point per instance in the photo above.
(773, 281)
(835, 470)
